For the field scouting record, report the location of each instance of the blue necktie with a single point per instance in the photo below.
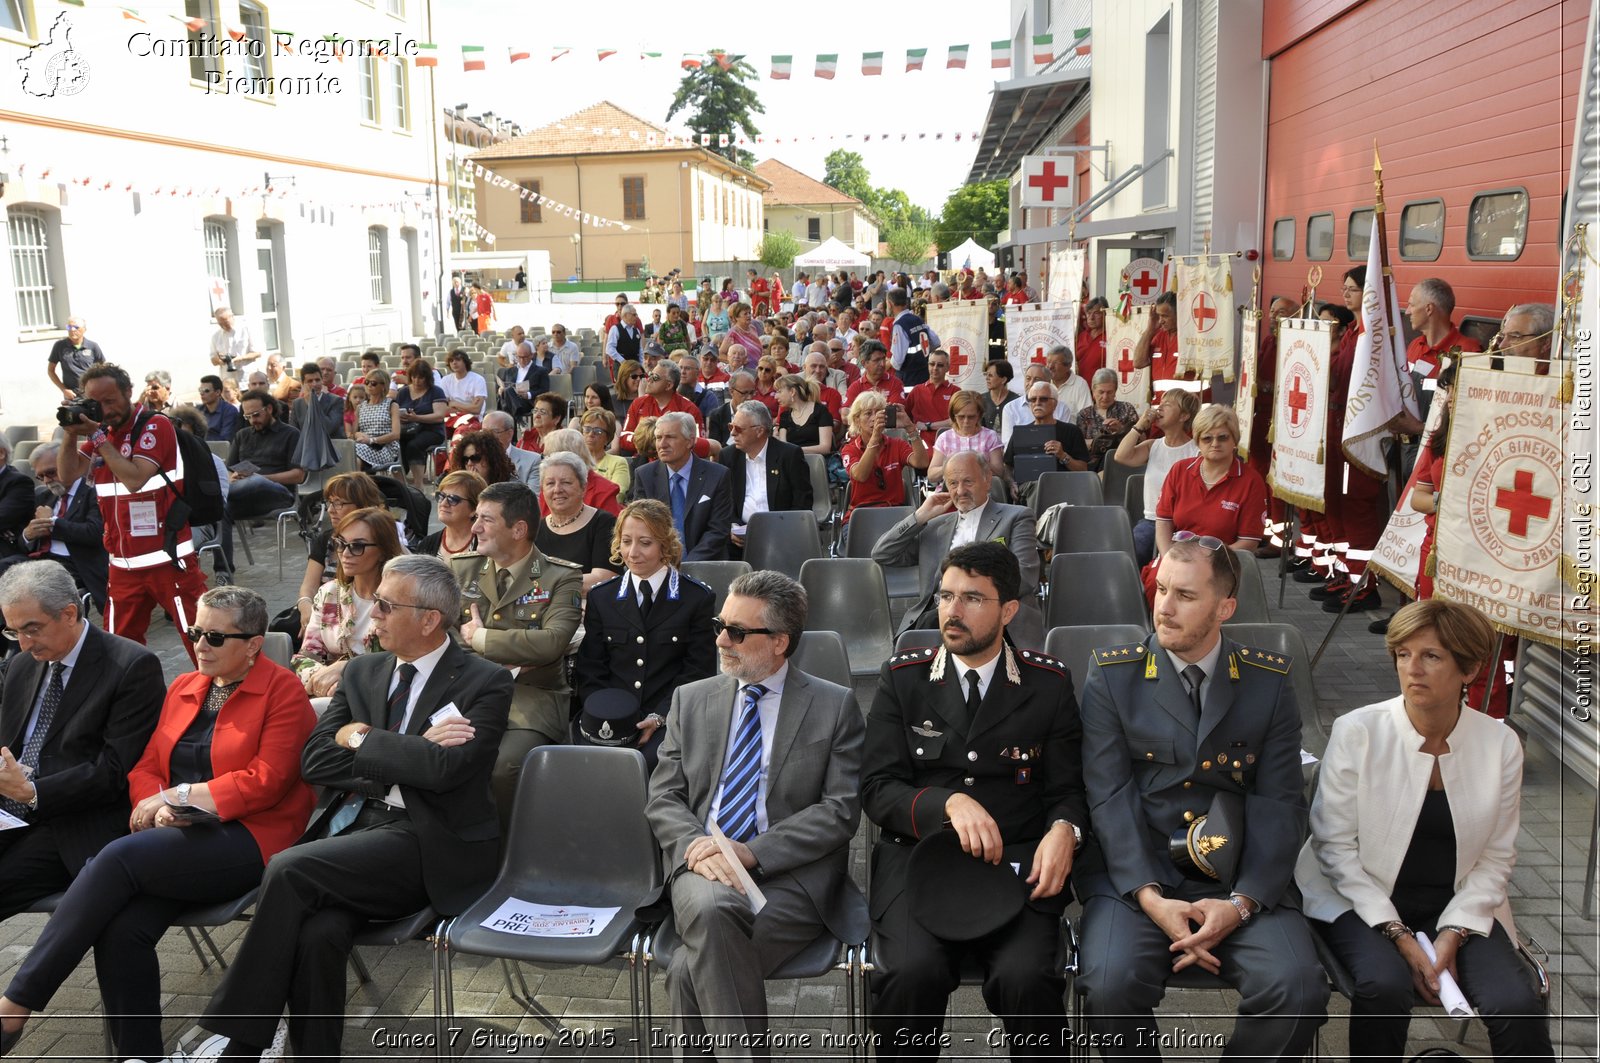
(742, 776)
(679, 498)
(41, 730)
(352, 803)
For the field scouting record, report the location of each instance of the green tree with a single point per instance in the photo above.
(978, 210)
(908, 245)
(778, 250)
(720, 101)
(845, 171)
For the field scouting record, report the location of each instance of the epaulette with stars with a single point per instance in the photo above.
(685, 577)
(1042, 660)
(1272, 662)
(919, 656)
(1132, 652)
(563, 562)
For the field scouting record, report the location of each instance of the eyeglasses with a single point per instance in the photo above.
(1040, 398)
(1516, 337)
(216, 638)
(736, 634)
(353, 547)
(593, 431)
(969, 599)
(29, 631)
(46, 474)
(383, 607)
(448, 499)
(340, 503)
(743, 391)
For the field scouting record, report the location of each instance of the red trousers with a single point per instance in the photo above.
(1357, 512)
(132, 595)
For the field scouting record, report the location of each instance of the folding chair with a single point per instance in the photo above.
(578, 836)
(1252, 594)
(782, 541)
(718, 575)
(847, 595)
(278, 648)
(1114, 477)
(1096, 587)
(821, 496)
(1281, 638)
(1087, 528)
(1073, 488)
(822, 654)
(1133, 498)
(867, 525)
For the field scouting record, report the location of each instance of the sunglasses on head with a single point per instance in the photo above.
(736, 633)
(1212, 543)
(216, 638)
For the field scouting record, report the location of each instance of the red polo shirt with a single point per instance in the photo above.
(646, 406)
(890, 388)
(1014, 297)
(1091, 354)
(1433, 356)
(887, 490)
(1232, 509)
(927, 404)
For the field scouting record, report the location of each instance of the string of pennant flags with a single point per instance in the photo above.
(543, 201)
(689, 138)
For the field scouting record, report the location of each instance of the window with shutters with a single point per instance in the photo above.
(378, 264)
(633, 199)
(532, 212)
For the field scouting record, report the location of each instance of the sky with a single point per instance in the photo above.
(538, 91)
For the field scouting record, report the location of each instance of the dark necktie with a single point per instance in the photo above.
(973, 697)
(401, 695)
(1194, 675)
(41, 731)
(742, 777)
(502, 580)
(679, 502)
(647, 598)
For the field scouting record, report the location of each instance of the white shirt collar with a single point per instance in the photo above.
(656, 581)
(70, 661)
(985, 672)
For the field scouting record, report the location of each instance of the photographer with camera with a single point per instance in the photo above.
(232, 346)
(132, 457)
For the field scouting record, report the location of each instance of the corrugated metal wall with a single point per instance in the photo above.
(1202, 167)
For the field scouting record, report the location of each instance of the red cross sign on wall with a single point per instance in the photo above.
(1205, 314)
(1297, 401)
(1047, 181)
(1521, 503)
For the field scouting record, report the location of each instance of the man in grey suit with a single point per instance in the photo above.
(772, 758)
(525, 462)
(698, 492)
(960, 514)
(1169, 725)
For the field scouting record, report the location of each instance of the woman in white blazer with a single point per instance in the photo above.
(1413, 830)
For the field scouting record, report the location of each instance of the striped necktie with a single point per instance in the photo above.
(742, 775)
(41, 730)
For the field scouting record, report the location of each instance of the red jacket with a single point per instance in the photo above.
(255, 752)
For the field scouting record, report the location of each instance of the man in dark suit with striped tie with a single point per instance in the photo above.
(407, 820)
(789, 826)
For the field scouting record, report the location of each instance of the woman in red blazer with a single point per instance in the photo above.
(216, 794)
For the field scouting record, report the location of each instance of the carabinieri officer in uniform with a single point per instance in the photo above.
(973, 769)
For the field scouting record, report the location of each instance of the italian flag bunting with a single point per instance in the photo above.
(427, 55)
(827, 65)
(472, 57)
(781, 66)
(958, 57)
(604, 53)
(1000, 55)
(515, 54)
(193, 25)
(914, 58)
(691, 62)
(131, 14)
(872, 63)
(1080, 41)
(1044, 51)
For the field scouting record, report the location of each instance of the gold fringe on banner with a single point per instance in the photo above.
(1316, 505)
(1322, 457)
(1574, 575)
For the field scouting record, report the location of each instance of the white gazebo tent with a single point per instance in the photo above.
(971, 255)
(833, 254)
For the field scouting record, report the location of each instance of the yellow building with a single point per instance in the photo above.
(629, 198)
(813, 212)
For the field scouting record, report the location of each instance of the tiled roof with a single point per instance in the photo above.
(791, 186)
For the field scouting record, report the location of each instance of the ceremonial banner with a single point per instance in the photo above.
(1244, 396)
(1066, 276)
(1032, 329)
(1300, 415)
(1205, 318)
(1380, 380)
(1398, 555)
(963, 330)
(1497, 540)
(1133, 384)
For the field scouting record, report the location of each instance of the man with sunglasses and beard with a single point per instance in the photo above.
(770, 757)
(980, 739)
(1191, 751)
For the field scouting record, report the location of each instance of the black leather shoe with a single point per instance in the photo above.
(1369, 599)
(1310, 574)
(9, 1039)
(1380, 627)
(1334, 589)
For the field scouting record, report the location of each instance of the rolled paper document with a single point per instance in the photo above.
(1450, 996)
(758, 900)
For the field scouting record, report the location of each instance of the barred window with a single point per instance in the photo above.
(29, 232)
(217, 251)
(378, 263)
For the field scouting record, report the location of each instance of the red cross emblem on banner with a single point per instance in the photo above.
(1205, 315)
(958, 360)
(1521, 503)
(1145, 282)
(1038, 356)
(218, 292)
(1047, 181)
(1125, 364)
(1298, 401)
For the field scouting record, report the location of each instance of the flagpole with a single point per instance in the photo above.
(1383, 254)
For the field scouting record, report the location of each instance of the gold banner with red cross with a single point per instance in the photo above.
(1244, 396)
(1498, 538)
(963, 330)
(1300, 415)
(1033, 329)
(1205, 317)
(1133, 383)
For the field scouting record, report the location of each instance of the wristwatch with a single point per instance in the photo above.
(1242, 906)
(355, 740)
(181, 791)
(1077, 833)
(32, 803)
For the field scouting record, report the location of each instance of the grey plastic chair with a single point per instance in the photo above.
(718, 575)
(822, 654)
(578, 835)
(821, 499)
(782, 541)
(847, 595)
(1096, 587)
(1073, 488)
(277, 648)
(918, 638)
(867, 526)
(1133, 497)
(1252, 595)
(1114, 476)
(1083, 529)
(1281, 638)
(1074, 646)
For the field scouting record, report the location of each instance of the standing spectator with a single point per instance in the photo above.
(70, 356)
(997, 377)
(423, 409)
(458, 303)
(150, 564)
(742, 335)
(873, 459)
(66, 527)
(341, 611)
(1091, 340)
(654, 324)
(232, 346)
(1106, 419)
(1429, 307)
(696, 490)
(222, 416)
(378, 424)
(910, 339)
(317, 401)
(1157, 347)
(624, 342)
(261, 460)
(483, 310)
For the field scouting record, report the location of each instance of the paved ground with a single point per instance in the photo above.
(390, 1017)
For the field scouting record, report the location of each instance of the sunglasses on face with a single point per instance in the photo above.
(447, 499)
(736, 634)
(471, 457)
(216, 638)
(383, 607)
(355, 548)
